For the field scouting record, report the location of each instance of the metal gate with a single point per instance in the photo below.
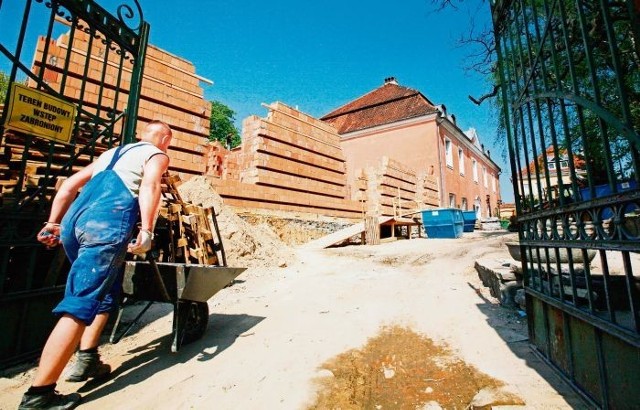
(570, 90)
(78, 54)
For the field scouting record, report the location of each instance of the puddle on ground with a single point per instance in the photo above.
(399, 369)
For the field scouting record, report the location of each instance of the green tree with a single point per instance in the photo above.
(565, 49)
(221, 125)
(4, 86)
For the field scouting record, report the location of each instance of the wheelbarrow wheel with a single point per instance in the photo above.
(197, 320)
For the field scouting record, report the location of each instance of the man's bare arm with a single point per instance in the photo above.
(61, 202)
(149, 198)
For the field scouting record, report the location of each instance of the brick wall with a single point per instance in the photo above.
(171, 91)
(391, 188)
(288, 161)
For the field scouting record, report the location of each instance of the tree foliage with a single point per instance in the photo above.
(571, 78)
(4, 86)
(222, 127)
(575, 70)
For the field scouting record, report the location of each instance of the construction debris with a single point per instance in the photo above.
(188, 229)
(245, 244)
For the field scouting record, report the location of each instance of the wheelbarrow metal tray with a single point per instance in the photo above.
(196, 283)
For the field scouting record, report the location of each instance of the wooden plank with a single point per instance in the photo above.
(341, 235)
(171, 179)
(372, 230)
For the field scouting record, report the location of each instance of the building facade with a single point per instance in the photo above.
(401, 123)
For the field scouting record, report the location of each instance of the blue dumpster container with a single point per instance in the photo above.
(443, 223)
(469, 218)
(605, 190)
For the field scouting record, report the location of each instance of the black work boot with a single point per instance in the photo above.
(88, 364)
(51, 400)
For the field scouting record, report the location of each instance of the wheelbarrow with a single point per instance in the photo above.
(187, 286)
(181, 278)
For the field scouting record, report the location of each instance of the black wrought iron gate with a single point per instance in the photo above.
(63, 60)
(570, 89)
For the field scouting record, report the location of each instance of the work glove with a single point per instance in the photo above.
(142, 243)
(50, 234)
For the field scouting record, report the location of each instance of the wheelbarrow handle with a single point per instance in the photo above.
(152, 261)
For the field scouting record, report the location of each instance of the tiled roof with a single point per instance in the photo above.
(578, 161)
(384, 105)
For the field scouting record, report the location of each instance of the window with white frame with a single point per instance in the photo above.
(461, 161)
(464, 206)
(484, 177)
(452, 200)
(448, 150)
(474, 165)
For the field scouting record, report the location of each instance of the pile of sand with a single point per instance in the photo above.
(245, 245)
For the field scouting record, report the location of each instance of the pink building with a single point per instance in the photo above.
(402, 124)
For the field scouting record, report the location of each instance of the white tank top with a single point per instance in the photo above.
(130, 166)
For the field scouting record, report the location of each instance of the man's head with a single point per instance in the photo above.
(158, 133)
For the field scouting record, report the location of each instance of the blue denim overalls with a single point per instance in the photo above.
(95, 232)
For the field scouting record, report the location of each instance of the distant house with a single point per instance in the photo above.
(533, 177)
(401, 123)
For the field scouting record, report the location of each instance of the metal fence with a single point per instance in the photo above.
(569, 74)
(75, 52)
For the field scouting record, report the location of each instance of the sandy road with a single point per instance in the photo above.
(270, 334)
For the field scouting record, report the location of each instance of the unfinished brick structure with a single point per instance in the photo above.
(289, 161)
(171, 92)
(292, 162)
(391, 189)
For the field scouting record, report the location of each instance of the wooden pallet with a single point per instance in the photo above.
(191, 231)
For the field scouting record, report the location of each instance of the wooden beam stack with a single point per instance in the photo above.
(188, 233)
(31, 166)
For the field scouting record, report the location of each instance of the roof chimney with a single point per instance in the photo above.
(390, 80)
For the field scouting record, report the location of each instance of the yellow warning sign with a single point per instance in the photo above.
(38, 113)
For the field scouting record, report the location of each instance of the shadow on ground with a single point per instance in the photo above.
(156, 356)
(518, 342)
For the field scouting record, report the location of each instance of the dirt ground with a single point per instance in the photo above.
(405, 324)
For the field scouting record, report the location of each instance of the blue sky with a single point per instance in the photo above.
(318, 56)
